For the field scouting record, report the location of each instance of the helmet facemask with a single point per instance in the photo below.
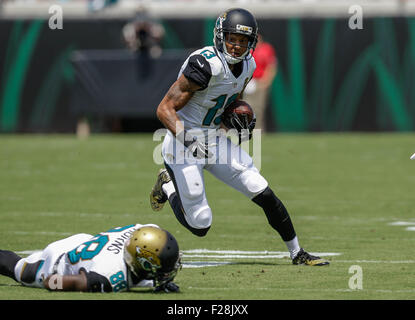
(220, 40)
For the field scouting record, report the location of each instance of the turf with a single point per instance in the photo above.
(343, 191)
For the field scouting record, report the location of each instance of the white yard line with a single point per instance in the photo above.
(375, 261)
(234, 256)
(229, 256)
(202, 264)
(40, 233)
(307, 289)
(402, 223)
(253, 253)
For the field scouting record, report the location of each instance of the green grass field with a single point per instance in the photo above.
(343, 192)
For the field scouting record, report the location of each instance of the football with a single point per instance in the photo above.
(237, 109)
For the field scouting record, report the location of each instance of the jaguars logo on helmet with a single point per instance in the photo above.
(235, 21)
(154, 252)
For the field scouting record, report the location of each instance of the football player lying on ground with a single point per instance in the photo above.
(211, 79)
(112, 261)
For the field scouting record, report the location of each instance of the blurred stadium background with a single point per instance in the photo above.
(330, 77)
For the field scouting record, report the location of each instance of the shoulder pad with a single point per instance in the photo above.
(210, 55)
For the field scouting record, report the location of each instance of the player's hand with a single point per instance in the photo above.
(246, 133)
(199, 149)
(167, 287)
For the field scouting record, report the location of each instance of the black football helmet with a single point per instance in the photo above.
(240, 21)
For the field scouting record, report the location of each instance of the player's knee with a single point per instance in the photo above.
(204, 218)
(201, 221)
(272, 206)
(267, 199)
(254, 182)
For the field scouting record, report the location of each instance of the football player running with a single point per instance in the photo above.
(112, 261)
(210, 79)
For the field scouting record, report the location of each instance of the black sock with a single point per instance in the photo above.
(8, 260)
(276, 213)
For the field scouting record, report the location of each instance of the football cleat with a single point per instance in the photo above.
(157, 196)
(307, 259)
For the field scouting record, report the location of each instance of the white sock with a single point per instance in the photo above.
(168, 188)
(293, 247)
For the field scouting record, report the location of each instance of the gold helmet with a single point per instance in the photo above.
(153, 252)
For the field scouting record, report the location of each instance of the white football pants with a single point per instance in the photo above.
(230, 164)
(49, 257)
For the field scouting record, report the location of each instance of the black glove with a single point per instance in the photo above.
(167, 287)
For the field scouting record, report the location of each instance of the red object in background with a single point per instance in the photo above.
(264, 55)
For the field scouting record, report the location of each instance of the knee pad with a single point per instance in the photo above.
(254, 182)
(200, 219)
(203, 218)
(201, 222)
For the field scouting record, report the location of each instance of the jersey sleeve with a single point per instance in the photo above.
(198, 70)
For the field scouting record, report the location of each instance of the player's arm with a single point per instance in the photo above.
(84, 281)
(66, 283)
(176, 98)
(195, 76)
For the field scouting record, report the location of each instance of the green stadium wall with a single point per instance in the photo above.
(330, 78)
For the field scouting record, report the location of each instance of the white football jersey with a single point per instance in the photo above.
(204, 109)
(103, 254)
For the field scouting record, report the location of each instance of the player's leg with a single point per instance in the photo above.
(181, 183)
(31, 271)
(279, 218)
(26, 268)
(193, 211)
(239, 172)
(250, 182)
(187, 197)
(8, 261)
(157, 196)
